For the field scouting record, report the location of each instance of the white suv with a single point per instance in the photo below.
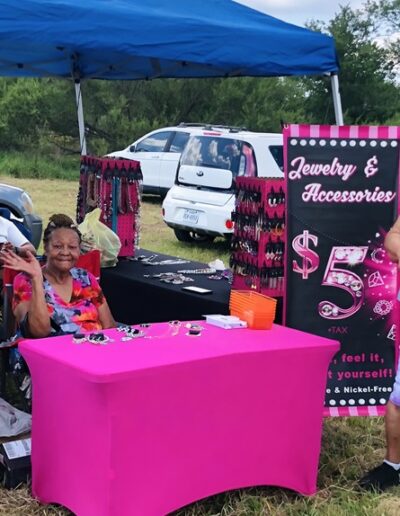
(159, 152)
(200, 204)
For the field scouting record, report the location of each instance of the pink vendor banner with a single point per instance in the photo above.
(342, 185)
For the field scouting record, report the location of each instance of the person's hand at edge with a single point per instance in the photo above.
(28, 264)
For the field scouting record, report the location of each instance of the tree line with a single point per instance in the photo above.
(39, 114)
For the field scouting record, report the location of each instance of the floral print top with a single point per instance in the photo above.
(80, 313)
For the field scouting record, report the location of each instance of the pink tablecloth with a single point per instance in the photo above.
(147, 426)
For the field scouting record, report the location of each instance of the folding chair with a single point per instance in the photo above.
(8, 326)
(91, 262)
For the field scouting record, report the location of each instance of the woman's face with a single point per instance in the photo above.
(62, 249)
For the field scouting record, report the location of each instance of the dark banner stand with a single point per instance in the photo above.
(342, 185)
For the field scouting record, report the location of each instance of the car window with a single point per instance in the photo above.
(178, 142)
(154, 143)
(205, 151)
(247, 165)
(277, 153)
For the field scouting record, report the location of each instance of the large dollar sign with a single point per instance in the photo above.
(310, 258)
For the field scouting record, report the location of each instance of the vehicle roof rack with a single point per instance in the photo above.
(192, 124)
(230, 128)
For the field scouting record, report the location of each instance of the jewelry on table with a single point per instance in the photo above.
(166, 262)
(194, 333)
(169, 277)
(194, 330)
(198, 271)
(130, 333)
(93, 338)
(172, 330)
(78, 338)
(147, 259)
(98, 339)
(175, 326)
(177, 279)
(134, 334)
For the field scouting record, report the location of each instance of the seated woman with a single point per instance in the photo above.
(57, 298)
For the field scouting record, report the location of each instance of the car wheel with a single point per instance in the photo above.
(190, 236)
(201, 238)
(182, 236)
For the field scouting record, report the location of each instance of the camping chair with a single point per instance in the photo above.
(89, 261)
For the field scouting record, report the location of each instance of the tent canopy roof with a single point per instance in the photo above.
(147, 39)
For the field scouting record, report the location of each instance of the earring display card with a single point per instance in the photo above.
(258, 245)
(114, 186)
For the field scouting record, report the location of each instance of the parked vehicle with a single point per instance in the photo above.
(16, 204)
(159, 153)
(200, 204)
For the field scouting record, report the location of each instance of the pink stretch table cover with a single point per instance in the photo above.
(147, 426)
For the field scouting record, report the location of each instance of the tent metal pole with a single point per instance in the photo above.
(81, 122)
(337, 102)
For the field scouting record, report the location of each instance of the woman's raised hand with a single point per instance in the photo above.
(28, 264)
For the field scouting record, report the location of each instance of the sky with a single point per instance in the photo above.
(301, 11)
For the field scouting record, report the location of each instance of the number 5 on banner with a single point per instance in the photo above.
(343, 279)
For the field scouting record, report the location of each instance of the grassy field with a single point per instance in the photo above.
(57, 196)
(350, 445)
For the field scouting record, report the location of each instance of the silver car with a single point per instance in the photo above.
(17, 205)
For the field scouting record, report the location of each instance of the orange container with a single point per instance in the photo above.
(254, 308)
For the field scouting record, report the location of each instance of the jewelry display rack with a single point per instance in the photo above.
(258, 247)
(114, 186)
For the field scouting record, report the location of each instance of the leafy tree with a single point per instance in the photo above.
(386, 16)
(20, 114)
(40, 114)
(367, 77)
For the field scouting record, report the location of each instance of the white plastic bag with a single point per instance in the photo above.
(104, 239)
(13, 421)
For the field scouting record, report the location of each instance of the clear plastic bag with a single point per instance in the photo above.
(103, 238)
(13, 421)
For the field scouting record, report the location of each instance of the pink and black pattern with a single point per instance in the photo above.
(114, 187)
(342, 186)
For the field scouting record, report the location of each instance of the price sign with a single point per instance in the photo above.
(341, 201)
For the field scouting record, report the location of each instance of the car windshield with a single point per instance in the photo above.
(206, 151)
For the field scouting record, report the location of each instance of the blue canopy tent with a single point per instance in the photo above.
(137, 39)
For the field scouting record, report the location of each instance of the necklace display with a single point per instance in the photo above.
(114, 186)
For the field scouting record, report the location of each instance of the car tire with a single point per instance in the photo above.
(190, 236)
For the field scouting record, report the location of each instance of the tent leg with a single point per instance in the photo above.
(337, 102)
(81, 122)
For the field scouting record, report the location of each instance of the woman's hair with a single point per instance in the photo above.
(57, 221)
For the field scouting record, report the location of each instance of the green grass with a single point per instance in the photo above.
(350, 445)
(157, 236)
(56, 196)
(36, 166)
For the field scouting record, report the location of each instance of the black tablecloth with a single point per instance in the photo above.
(134, 299)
